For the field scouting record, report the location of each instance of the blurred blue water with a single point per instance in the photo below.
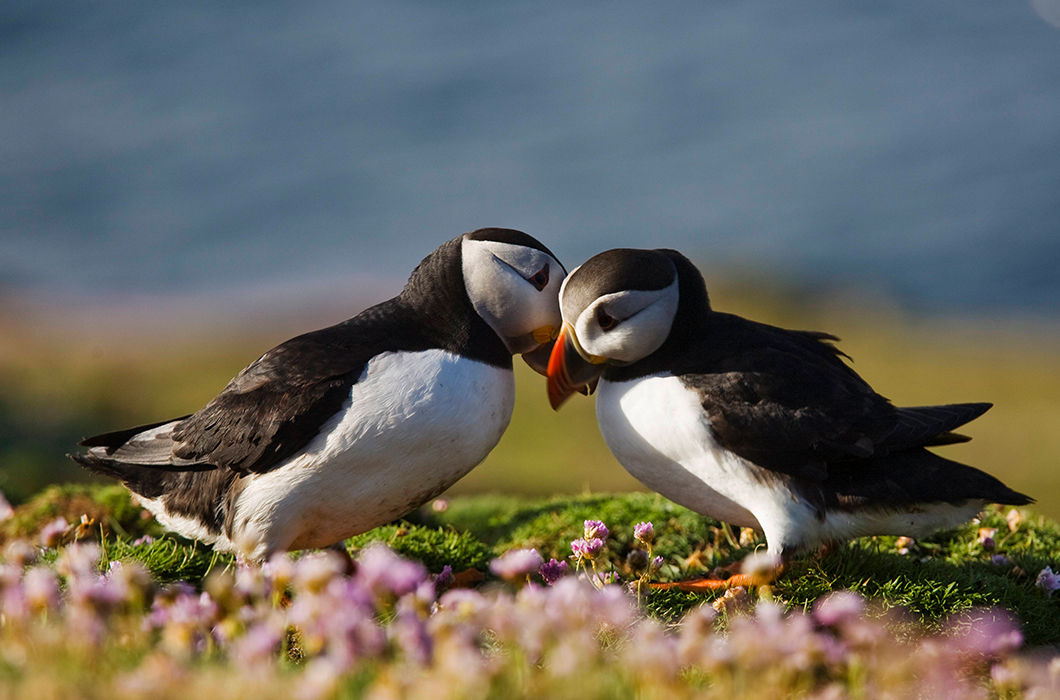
(181, 147)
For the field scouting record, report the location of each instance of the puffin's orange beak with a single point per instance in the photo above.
(568, 371)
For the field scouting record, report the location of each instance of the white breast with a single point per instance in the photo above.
(414, 424)
(657, 429)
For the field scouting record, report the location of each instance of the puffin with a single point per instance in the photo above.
(342, 429)
(752, 424)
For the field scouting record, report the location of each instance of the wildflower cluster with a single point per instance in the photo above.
(587, 548)
(303, 628)
(73, 623)
(641, 560)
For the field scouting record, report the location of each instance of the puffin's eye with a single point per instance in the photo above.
(540, 278)
(605, 320)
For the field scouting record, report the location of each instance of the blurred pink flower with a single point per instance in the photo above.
(258, 646)
(280, 571)
(52, 533)
(839, 607)
(516, 564)
(315, 571)
(79, 560)
(1014, 518)
(20, 553)
(41, 588)
(383, 571)
(1047, 580)
(410, 633)
(986, 538)
(985, 632)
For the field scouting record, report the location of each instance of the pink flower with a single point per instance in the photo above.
(644, 531)
(1047, 580)
(444, 579)
(552, 571)
(313, 572)
(19, 553)
(79, 560)
(839, 607)
(586, 548)
(41, 588)
(410, 633)
(986, 632)
(516, 564)
(52, 533)
(596, 529)
(386, 572)
(258, 646)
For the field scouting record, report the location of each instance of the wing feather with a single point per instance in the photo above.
(787, 401)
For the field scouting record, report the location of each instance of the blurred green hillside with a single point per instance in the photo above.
(62, 379)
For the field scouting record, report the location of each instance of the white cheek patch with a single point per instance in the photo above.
(495, 277)
(645, 318)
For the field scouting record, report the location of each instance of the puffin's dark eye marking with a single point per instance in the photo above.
(540, 278)
(605, 320)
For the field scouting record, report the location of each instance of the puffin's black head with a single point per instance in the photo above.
(618, 308)
(512, 282)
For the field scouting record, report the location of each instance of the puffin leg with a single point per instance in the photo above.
(760, 576)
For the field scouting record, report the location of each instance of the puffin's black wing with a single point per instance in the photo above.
(787, 401)
(274, 407)
(268, 411)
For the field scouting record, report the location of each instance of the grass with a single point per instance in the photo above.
(946, 575)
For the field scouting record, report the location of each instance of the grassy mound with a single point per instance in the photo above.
(933, 579)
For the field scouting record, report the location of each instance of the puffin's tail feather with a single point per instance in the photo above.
(928, 426)
(142, 458)
(199, 493)
(918, 476)
(113, 440)
(146, 480)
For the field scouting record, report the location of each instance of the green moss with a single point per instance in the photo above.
(169, 558)
(433, 546)
(107, 508)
